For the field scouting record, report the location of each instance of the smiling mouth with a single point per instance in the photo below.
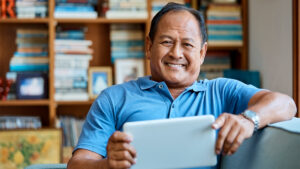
(174, 65)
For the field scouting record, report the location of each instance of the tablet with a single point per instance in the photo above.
(173, 143)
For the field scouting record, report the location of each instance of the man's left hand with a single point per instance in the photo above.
(234, 129)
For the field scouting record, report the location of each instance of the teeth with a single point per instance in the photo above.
(174, 65)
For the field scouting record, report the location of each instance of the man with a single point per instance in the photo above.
(176, 47)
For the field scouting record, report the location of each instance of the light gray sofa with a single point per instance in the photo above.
(274, 147)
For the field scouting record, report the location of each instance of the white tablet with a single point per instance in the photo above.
(173, 143)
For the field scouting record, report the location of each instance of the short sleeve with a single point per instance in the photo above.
(98, 126)
(236, 95)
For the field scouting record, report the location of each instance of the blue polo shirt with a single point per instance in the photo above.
(144, 99)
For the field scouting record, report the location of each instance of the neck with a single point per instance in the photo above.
(175, 92)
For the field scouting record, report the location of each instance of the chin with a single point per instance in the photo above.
(175, 80)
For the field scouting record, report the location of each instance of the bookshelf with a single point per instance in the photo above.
(98, 33)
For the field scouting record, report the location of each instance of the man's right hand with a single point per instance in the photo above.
(120, 154)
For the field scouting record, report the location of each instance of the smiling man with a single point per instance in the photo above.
(176, 47)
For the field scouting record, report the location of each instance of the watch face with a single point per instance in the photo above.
(250, 113)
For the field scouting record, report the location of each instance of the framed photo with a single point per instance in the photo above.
(99, 79)
(128, 69)
(32, 85)
(21, 148)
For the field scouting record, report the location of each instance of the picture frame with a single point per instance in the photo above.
(99, 79)
(32, 85)
(128, 69)
(21, 148)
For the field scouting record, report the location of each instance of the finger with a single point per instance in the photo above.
(122, 155)
(120, 137)
(219, 121)
(237, 142)
(235, 129)
(222, 135)
(119, 164)
(123, 146)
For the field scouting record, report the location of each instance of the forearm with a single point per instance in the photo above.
(273, 107)
(87, 163)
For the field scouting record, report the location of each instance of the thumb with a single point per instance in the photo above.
(219, 121)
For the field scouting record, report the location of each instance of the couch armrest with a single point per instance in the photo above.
(47, 166)
(275, 147)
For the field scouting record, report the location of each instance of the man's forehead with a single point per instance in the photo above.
(181, 21)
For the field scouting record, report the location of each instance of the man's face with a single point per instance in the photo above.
(175, 53)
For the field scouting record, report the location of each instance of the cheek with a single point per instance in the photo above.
(159, 53)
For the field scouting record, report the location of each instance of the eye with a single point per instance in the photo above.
(166, 42)
(188, 45)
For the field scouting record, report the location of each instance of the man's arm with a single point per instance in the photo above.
(271, 107)
(120, 154)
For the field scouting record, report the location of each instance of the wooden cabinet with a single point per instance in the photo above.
(49, 109)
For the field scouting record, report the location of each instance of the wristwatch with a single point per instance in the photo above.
(251, 115)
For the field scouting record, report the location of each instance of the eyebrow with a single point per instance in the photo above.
(169, 37)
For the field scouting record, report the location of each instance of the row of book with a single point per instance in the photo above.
(72, 57)
(75, 9)
(20, 122)
(214, 64)
(159, 4)
(127, 41)
(24, 8)
(31, 9)
(32, 51)
(71, 127)
(224, 25)
(127, 9)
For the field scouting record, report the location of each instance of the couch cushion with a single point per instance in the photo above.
(275, 147)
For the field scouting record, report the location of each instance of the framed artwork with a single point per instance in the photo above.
(32, 85)
(128, 69)
(99, 79)
(21, 148)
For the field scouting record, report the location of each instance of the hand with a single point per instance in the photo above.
(120, 154)
(234, 130)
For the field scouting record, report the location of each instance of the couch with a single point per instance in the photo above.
(274, 147)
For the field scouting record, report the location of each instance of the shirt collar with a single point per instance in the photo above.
(146, 83)
(197, 86)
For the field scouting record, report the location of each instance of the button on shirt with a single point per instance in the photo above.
(144, 99)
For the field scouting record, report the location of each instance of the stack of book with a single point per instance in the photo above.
(224, 25)
(127, 41)
(214, 64)
(32, 8)
(158, 4)
(32, 51)
(18, 122)
(71, 127)
(127, 9)
(72, 56)
(75, 9)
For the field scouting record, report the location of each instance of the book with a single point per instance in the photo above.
(126, 14)
(69, 42)
(71, 96)
(28, 67)
(20, 122)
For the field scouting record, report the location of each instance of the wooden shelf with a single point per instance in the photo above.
(69, 103)
(25, 103)
(25, 20)
(101, 20)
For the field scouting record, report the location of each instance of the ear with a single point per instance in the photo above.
(148, 47)
(203, 52)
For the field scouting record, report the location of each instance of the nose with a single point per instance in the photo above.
(176, 52)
